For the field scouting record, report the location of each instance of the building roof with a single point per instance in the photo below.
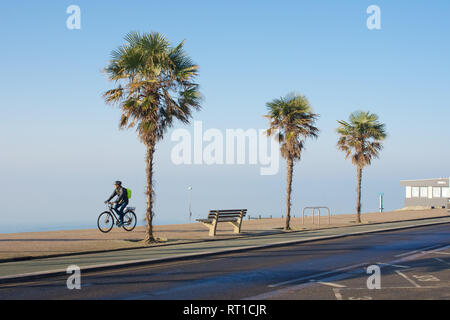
(426, 182)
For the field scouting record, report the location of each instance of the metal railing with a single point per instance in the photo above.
(313, 213)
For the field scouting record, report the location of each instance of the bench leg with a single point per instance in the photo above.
(236, 225)
(212, 227)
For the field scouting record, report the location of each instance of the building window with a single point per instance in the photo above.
(408, 192)
(436, 192)
(423, 192)
(415, 192)
(445, 192)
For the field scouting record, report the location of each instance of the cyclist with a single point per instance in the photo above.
(121, 201)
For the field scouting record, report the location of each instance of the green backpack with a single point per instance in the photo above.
(129, 193)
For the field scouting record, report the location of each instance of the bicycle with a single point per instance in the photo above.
(107, 219)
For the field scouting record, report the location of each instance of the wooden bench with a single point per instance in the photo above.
(234, 217)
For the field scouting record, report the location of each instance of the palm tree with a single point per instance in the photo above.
(154, 84)
(361, 139)
(292, 121)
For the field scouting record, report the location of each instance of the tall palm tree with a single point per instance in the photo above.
(154, 84)
(292, 121)
(361, 139)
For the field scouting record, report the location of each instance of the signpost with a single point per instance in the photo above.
(381, 202)
(190, 203)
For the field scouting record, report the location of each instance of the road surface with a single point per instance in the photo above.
(414, 264)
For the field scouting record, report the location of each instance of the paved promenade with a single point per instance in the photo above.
(39, 267)
(51, 243)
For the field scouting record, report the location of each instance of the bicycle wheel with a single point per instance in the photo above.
(105, 222)
(129, 221)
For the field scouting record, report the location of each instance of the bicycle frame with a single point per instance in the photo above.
(114, 212)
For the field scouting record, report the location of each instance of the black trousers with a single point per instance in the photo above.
(119, 208)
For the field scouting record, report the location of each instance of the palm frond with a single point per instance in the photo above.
(294, 120)
(155, 84)
(361, 137)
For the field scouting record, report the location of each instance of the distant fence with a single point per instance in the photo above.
(259, 217)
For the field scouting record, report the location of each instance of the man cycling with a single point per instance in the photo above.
(121, 201)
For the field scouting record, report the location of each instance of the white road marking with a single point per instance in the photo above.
(440, 252)
(414, 251)
(443, 261)
(406, 253)
(393, 265)
(317, 275)
(440, 249)
(360, 298)
(426, 277)
(337, 294)
(338, 287)
(409, 280)
(271, 294)
(331, 284)
(290, 290)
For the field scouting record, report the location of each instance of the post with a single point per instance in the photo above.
(190, 203)
(314, 213)
(381, 202)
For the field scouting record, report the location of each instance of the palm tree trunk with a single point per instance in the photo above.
(358, 195)
(290, 169)
(149, 173)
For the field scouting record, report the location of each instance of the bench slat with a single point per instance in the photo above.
(213, 213)
(220, 219)
(229, 210)
(230, 216)
(225, 213)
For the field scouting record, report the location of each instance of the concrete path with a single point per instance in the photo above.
(13, 271)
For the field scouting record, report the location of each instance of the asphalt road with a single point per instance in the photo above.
(414, 264)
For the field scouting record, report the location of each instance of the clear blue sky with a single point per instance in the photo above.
(61, 147)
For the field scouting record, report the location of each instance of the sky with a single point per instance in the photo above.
(61, 149)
